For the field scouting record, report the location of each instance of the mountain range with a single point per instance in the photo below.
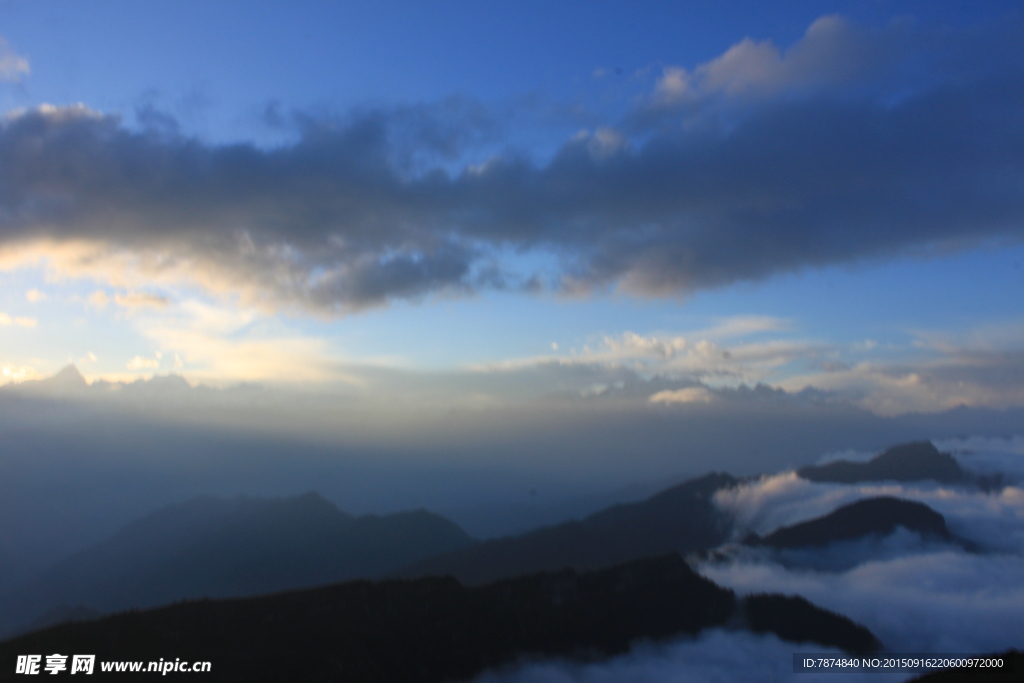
(210, 547)
(453, 606)
(680, 519)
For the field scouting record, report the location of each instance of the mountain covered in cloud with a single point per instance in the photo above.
(435, 629)
(212, 547)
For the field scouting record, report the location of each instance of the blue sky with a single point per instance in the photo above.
(823, 194)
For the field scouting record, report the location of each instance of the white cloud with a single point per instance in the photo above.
(88, 358)
(98, 300)
(923, 384)
(686, 395)
(20, 321)
(831, 53)
(227, 344)
(140, 363)
(915, 596)
(18, 373)
(714, 656)
(12, 65)
(141, 300)
(988, 455)
(745, 325)
(780, 500)
(34, 296)
(947, 601)
(694, 357)
(993, 520)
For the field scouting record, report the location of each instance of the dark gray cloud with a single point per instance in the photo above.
(814, 164)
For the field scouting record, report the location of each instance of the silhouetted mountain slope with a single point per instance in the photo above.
(423, 630)
(1012, 670)
(61, 615)
(914, 461)
(679, 519)
(795, 619)
(210, 547)
(870, 516)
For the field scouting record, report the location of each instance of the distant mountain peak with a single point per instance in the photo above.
(880, 515)
(70, 375)
(68, 379)
(914, 461)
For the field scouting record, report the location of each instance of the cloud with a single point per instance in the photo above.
(994, 521)
(140, 363)
(34, 296)
(12, 65)
(988, 456)
(20, 321)
(916, 596)
(228, 344)
(141, 300)
(98, 300)
(89, 357)
(745, 325)
(11, 374)
(967, 377)
(392, 203)
(945, 601)
(983, 369)
(833, 53)
(693, 357)
(714, 656)
(687, 395)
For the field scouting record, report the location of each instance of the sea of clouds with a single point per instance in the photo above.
(715, 656)
(916, 596)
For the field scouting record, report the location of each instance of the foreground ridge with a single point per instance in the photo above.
(433, 629)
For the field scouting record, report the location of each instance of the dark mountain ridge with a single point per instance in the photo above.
(210, 547)
(680, 519)
(915, 461)
(435, 629)
(878, 516)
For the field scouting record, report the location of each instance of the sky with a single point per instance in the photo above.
(821, 195)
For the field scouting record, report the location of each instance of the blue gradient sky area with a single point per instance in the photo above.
(213, 75)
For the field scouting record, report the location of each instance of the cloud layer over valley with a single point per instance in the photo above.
(916, 596)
